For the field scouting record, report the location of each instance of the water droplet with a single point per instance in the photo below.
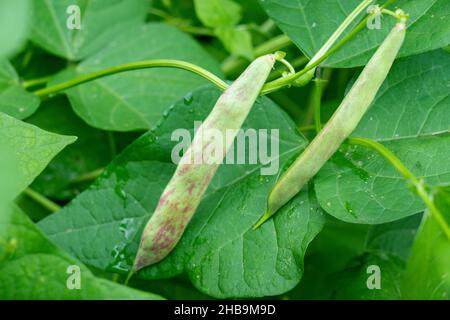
(188, 99)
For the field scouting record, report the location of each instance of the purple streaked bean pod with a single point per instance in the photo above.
(198, 165)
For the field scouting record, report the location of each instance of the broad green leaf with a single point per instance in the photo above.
(237, 41)
(394, 238)
(310, 23)
(29, 148)
(387, 247)
(428, 269)
(31, 267)
(137, 99)
(14, 99)
(218, 13)
(219, 251)
(54, 24)
(410, 116)
(355, 282)
(91, 151)
(14, 25)
(330, 252)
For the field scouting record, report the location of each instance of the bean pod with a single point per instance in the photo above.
(341, 124)
(198, 165)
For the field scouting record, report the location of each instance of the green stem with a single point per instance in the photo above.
(317, 97)
(298, 62)
(43, 201)
(408, 175)
(89, 176)
(35, 82)
(163, 63)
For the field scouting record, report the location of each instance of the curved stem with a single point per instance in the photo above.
(89, 176)
(43, 201)
(408, 175)
(134, 66)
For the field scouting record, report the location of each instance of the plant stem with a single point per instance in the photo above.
(133, 66)
(43, 201)
(89, 176)
(233, 63)
(408, 175)
(35, 82)
(298, 62)
(317, 98)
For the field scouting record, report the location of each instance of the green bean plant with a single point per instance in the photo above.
(93, 206)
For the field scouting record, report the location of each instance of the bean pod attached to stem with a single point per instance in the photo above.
(341, 124)
(198, 165)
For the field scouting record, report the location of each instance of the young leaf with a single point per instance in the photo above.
(220, 235)
(29, 149)
(61, 29)
(14, 100)
(218, 13)
(237, 41)
(357, 185)
(137, 100)
(31, 267)
(310, 23)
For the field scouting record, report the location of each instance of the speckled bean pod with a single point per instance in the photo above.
(340, 126)
(184, 192)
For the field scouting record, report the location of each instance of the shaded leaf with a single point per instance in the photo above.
(98, 18)
(137, 99)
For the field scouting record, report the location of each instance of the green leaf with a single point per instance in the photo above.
(100, 20)
(218, 13)
(33, 268)
(330, 252)
(91, 151)
(219, 251)
(310, 23)
(354, 282)
(137, 99)
(394, 238)
(387, 247)
(13, 25)
(410, 116)
(14, 99)
(29, 149)
(237, 41)
(428, 270)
